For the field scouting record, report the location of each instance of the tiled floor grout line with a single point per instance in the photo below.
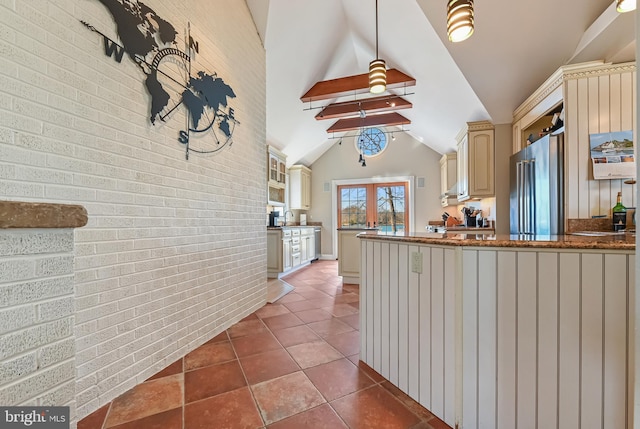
(244, 374)
(104, 423)
(184, 397)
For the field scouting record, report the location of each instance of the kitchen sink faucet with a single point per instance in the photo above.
(285, 216)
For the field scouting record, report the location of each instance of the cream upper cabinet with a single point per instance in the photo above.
(277, 176)
(462, 169)
(299, 187)
(448, 179)
(476, 161)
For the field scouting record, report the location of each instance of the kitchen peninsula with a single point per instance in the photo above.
(502, 331)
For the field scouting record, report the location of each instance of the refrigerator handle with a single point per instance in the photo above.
(532, 193)
(520, 195)
(527, 199)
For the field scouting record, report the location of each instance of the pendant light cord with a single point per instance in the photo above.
(377, 29)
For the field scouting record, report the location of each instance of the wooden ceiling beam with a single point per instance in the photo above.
(384, 119)
(349, 85)
(369, 105)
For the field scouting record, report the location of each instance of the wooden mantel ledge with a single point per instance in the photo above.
(17, 214)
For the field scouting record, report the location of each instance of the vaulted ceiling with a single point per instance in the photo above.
(517, 44)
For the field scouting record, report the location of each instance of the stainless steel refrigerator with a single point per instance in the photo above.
(537, 188)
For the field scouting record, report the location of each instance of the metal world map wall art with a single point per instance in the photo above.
(151, 43)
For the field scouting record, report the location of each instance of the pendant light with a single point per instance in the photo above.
(377, 68)
(460, 20)
(625, 5)
(361, 160)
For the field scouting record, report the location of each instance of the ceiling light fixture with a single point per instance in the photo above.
(625, 5)
(460, 19)
(377, 68)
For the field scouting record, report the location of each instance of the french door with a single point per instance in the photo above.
(374, 205)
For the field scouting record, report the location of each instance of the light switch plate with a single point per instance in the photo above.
(416, 262)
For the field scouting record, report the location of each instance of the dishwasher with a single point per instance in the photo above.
(317, 231)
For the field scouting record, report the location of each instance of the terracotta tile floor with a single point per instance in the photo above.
(292, 364)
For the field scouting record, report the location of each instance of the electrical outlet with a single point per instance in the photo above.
(416, 262)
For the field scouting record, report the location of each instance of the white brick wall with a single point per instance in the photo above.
(37, 356)
(174, 250)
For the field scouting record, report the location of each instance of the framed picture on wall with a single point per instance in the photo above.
(612, 155)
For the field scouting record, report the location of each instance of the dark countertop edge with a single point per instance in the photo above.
(278, 228)
(357, 229)
(480, 240)
(478, 230)
(18, 214)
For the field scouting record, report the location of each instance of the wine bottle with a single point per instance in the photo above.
(619, 215)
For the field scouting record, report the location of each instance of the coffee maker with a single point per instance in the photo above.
(470, 217)
(273, 218)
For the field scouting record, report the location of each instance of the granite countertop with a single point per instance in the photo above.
(618, 241)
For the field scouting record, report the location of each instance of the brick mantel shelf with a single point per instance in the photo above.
(17, 214)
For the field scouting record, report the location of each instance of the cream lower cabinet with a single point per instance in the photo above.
(287, 262)
(296, 247)
(349, 255)
(274, 252)
(288, 249)
(311, 245)
(307, 245)
(476, 161)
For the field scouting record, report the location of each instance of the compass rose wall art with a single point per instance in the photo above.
(171, 76)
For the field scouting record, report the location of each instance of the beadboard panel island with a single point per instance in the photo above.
(497, 332)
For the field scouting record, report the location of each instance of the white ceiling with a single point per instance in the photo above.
(517, 44)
